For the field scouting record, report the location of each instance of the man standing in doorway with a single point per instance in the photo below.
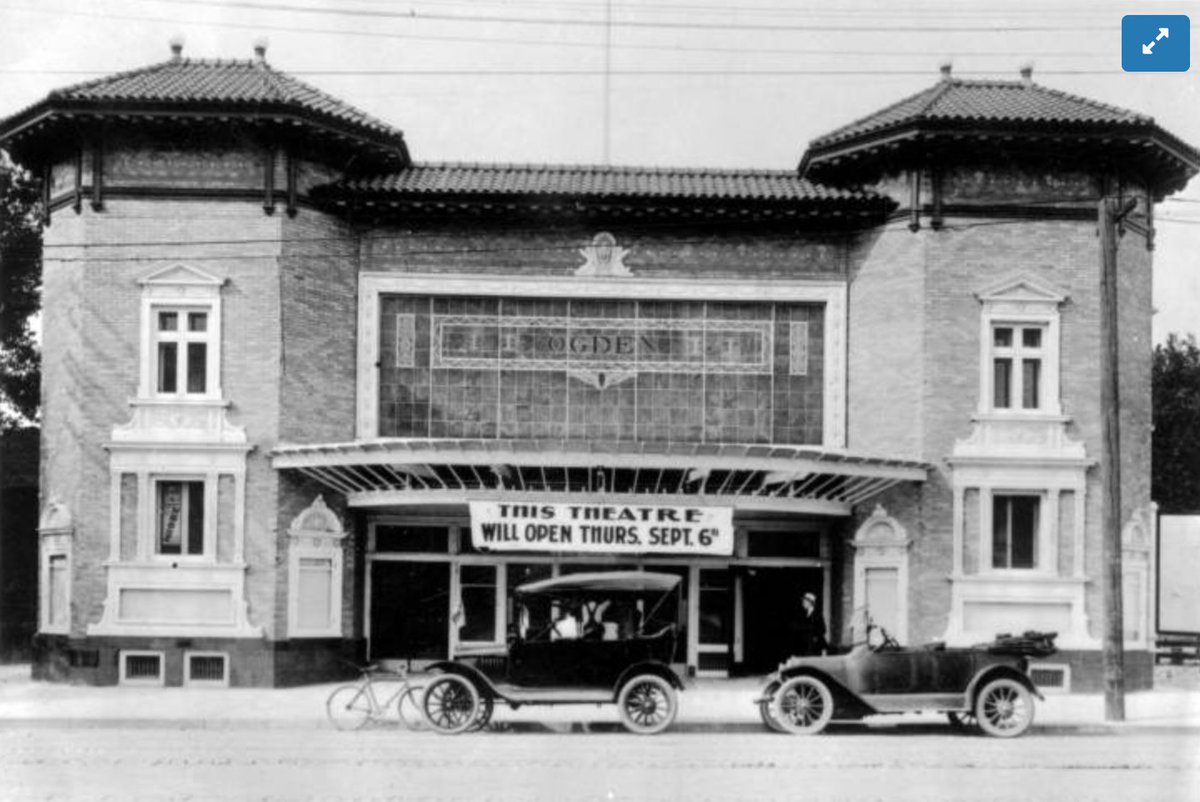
(809, 628)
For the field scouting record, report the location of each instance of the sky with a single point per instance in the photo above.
(694, 83)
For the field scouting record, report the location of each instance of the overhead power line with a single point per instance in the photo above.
(745, 50)
(413, 14)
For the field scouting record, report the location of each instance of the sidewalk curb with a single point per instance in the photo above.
(568, 728)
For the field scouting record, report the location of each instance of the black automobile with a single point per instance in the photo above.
(598, 638)
(985, 686)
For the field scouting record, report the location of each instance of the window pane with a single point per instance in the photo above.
(315, 593)
(1002, 383)
(197, 367)
(1031, 377)
(168, 321)
(1002, 337)
(170, 517)
(1031, 338)
(168, 356)
(714, 606)
(882, 588)
(197, 321)
(56, 596)
(476, 618)
(434, 539)
(1000, 532)
(1024, 531)
(195, 517)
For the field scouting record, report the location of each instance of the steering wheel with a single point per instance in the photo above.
(888, 644)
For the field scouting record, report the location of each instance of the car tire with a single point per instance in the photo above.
(765, 707)
(1004, 708)
(803, 705)
(450, 704)
(647, 704)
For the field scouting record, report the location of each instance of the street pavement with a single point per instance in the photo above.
(706, 705)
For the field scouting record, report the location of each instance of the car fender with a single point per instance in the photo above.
(995, 672)
(847, 703)
(477, 677)
(649, 667)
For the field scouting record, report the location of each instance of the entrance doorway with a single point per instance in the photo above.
(770, 605)
(410, 610)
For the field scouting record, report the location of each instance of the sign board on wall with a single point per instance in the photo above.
(1179, 574)
(601, 528)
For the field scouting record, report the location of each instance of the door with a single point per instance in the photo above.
(410, 610)
(770, 608)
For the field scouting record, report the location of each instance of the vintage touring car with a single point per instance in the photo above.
(985, 686)
(597, 638)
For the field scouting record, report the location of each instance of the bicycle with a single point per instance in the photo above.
(350, 707)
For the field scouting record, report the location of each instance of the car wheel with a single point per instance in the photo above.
(647, 704)
(1004, 708)
(803, 705)
(486, 706)
(450, 704)
(764, 708)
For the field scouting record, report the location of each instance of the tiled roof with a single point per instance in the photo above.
(217, 81)
(987, 102)
(250, 88)
(599, 182)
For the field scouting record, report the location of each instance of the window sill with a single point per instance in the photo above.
(1022, 416)
(1018, 577)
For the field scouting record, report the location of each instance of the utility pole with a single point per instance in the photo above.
(1111, 212)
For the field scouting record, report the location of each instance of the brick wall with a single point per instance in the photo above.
(91, 359)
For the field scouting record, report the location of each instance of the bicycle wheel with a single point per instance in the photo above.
(409, 708)
(349, 707)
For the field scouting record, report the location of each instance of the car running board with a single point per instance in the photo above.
(558, 696)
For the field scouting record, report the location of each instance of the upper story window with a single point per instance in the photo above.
(1015, 524)
(182, 344)
(1017, 366)
(181, 335)
(179, 513)
(1019, 354)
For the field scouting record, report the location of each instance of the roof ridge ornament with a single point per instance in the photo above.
(603, 257)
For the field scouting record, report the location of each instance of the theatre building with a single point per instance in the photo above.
(308, 398)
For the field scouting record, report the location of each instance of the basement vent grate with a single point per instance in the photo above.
(207, 669)
(1051, 677)
(142, 668)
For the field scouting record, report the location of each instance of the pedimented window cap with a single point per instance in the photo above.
(1022, 289)
(55, 518)
(881, 529)
(180, 274)
(317, 521)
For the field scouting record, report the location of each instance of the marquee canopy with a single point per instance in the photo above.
(407, 472)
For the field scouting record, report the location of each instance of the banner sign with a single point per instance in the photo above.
(601, 528)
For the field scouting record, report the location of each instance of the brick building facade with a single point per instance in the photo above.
(295, 382)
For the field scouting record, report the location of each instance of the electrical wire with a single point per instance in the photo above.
(413, 14)
(1040, 54)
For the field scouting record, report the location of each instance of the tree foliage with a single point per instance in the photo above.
(20, 296)
(1175, 476)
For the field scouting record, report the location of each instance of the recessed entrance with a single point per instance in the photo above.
(770, 608)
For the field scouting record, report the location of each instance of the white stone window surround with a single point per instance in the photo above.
(56, 532)
(169, 577)
(180, 288)
(1022, 301)
(1139, 538)
(833, 294)
(315, 534)
(1049, 589)
(881, 542)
